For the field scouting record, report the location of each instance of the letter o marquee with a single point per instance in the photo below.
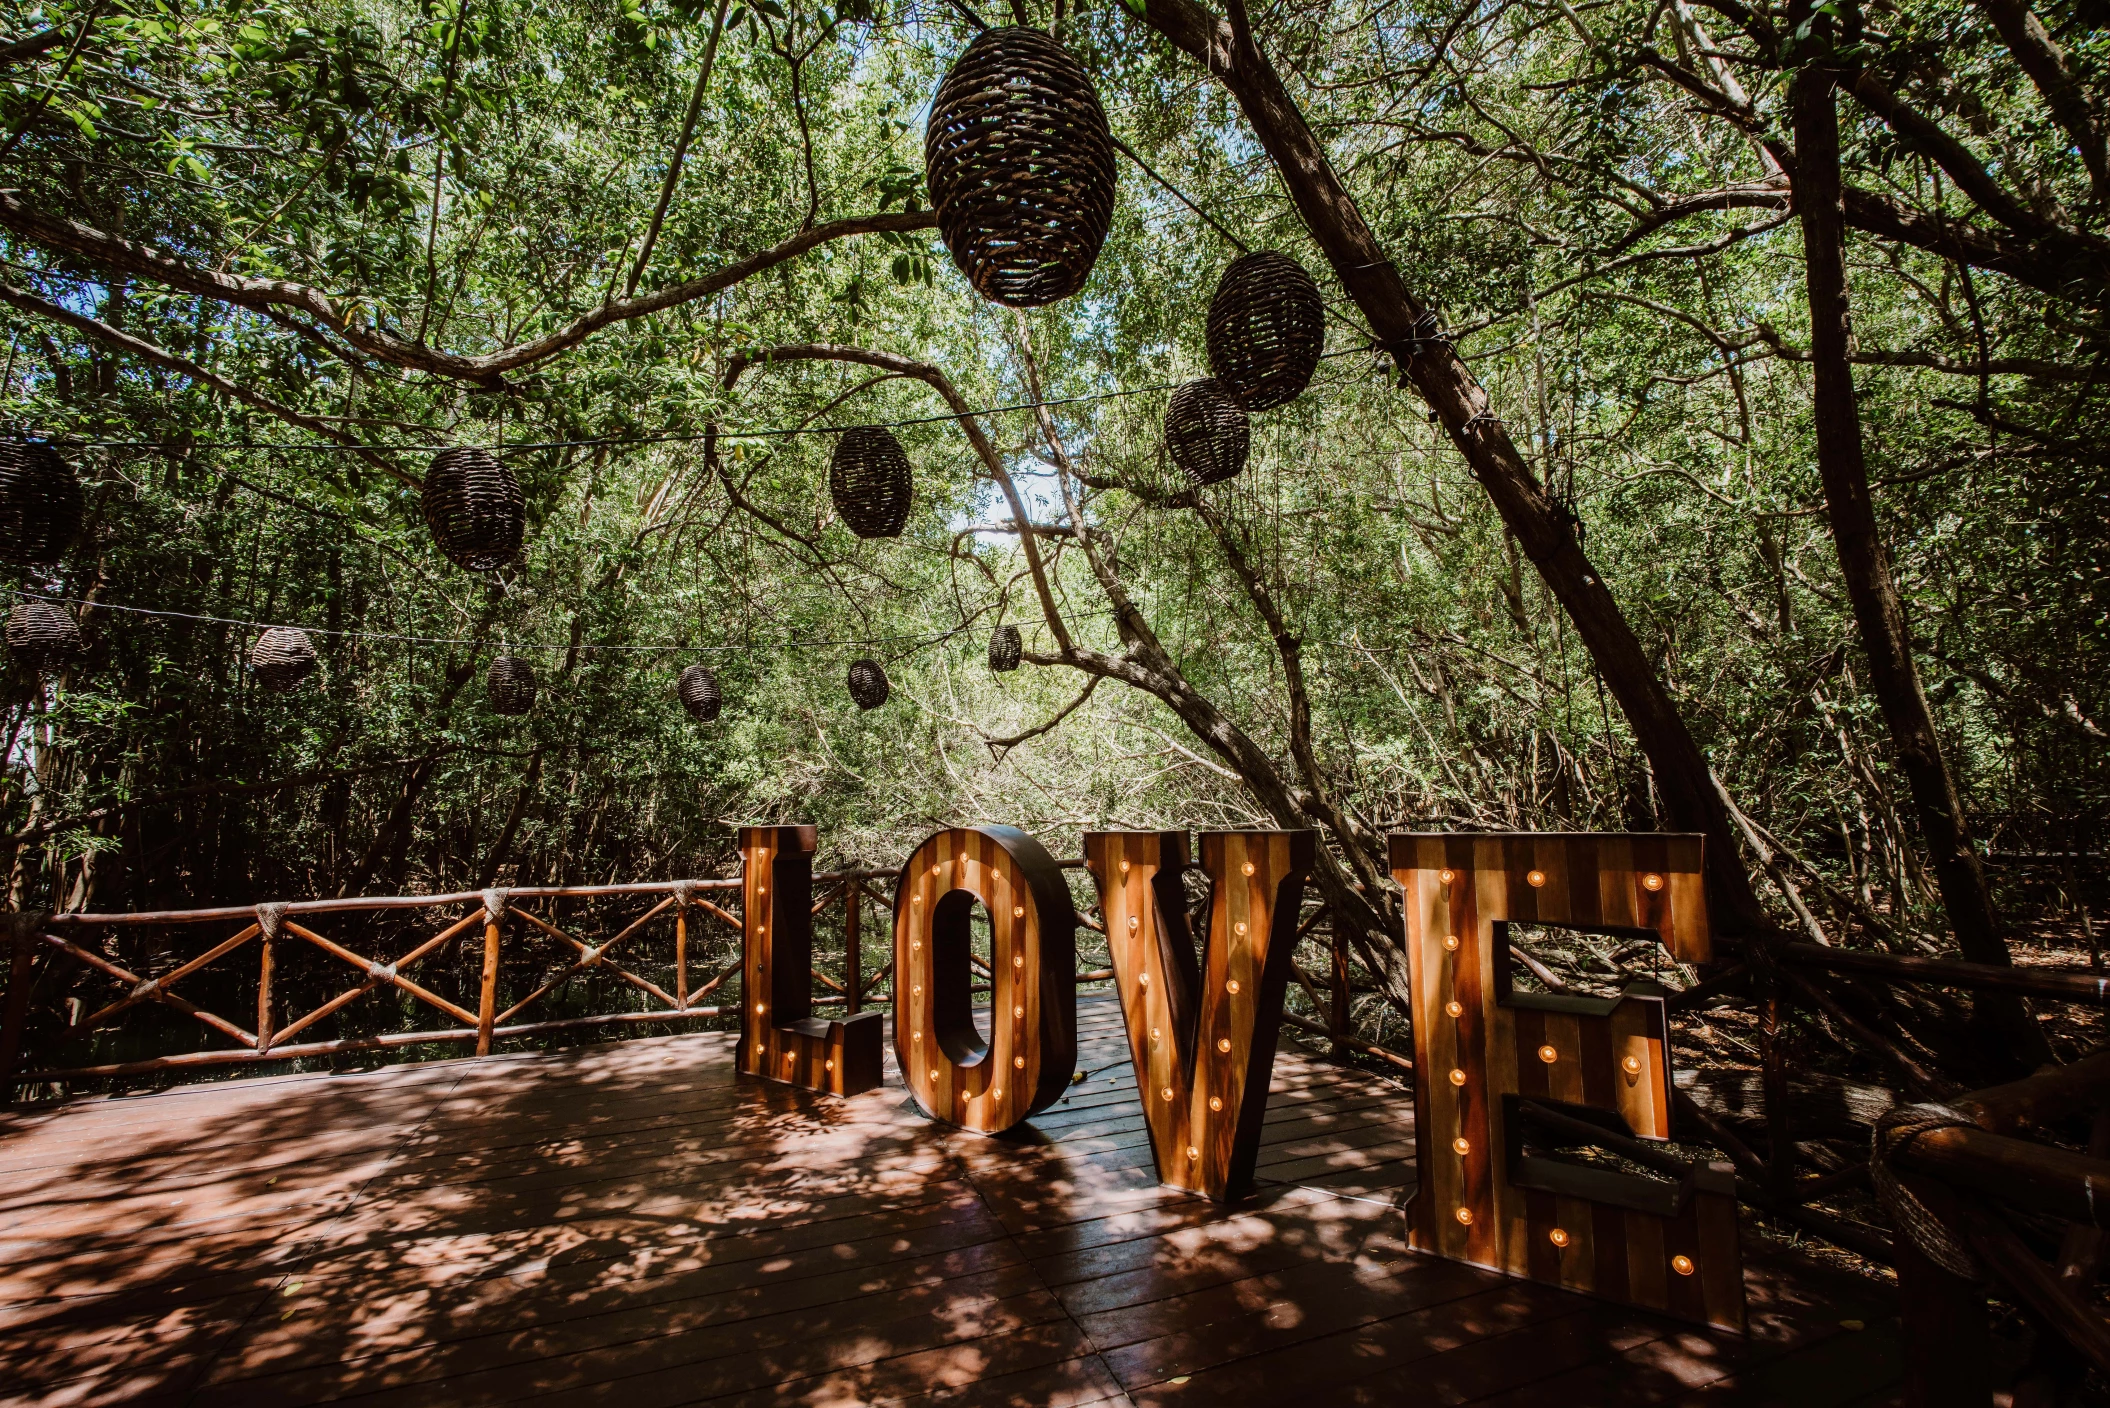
(1025, 1063)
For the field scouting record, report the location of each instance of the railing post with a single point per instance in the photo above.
(853, 943)
(1947, 1340)
(487, 1010)
(270, 920)
(681, 943)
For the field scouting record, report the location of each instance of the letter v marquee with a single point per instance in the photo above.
(1202, 1033)
(780, 1038)
(1497, 1071)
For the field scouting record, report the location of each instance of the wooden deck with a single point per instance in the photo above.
(632, 1225)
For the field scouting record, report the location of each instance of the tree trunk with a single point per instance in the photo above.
(1865, 565)
(1542, 527)
(489, 874)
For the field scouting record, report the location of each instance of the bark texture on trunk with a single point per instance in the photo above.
(1542, 527)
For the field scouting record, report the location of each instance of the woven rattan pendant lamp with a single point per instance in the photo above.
(699, 693)
(1207, 432)
(40, 503)
(281, 658)
(1004, 648)
(868, 684)
(475, 509)
(1266, 330)
(40, 632)
(510, 685)
(1020, 165)
(870, 481)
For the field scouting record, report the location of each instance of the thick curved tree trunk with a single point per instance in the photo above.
(1544, 530)
(1865, 565)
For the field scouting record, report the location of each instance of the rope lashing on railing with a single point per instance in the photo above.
(1929, 1235)
(381, 972)
(271, 921)
(494, 906)
(684, 894)
(147, 988)
(24, 925)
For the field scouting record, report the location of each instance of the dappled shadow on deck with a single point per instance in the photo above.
(632, 1224)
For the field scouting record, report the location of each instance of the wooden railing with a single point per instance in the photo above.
(503, 924)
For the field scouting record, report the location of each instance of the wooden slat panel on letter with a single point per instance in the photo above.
(1202, 1033)
(1481, 1048)
(780, 1038)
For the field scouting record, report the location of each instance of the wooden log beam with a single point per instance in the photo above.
(2063, 984)
(2039, 1177)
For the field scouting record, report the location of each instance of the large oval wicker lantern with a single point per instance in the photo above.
(40, 503)
(1020, 165)
(281, 658)
(1207, 432)
(870, 481)
(699, 693)
(39, 632)
(510, 685)
(1267, 328)
(1004, 648)
(868, 684)
(475, 509)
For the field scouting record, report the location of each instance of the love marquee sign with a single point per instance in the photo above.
(1202, 1022)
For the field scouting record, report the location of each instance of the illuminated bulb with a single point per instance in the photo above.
(915, 944)
(1124, 867)
(1216, 1102)
(1558, 1236)
(1239, 926)
(1446, 876)
(760, 1008)
(1682, 1265)
(1457, 1077)
(1535, 878)
(1454, 1008)
(1018, 960)
(1018, 911)
(1154, 1033)
(1019, 1062)
(1249, 867)
(1232, 986)
(1167, 1092)
(788, 1058)
(1548, 1055)
(1143, 978)
(996, 1095)
(1631, 1065)
(1223, 1043)
(1450, 943)
(828, 1065)
(915, 1036)
(1134, 922)
(1193, 1153)
(1461, 1145)
(1651, 882)
(1465, 1217)
(1018, 1011)
(917, 991)
(915, 899)
(934, 872)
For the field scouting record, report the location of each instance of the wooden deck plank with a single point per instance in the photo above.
(630, 1224)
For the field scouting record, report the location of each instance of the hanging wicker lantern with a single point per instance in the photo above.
(281, 658)
(1004, 646)
(1207, 432)
(870, 481)
(1020, 165)
(40, 503)
(698, 689)
(39, 632)
(868, 684)
(510, 685)
(475, 509)
(1267, 328)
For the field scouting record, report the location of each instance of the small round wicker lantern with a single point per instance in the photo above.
(475, 509)
(510, 685)
(698, 689)
(1004, 647)
(1020, 165)
(39, 632)
(40, 503)
(1267, 328)
(281, 658)
(1207, 432)
(870, 481)
(868, 684)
